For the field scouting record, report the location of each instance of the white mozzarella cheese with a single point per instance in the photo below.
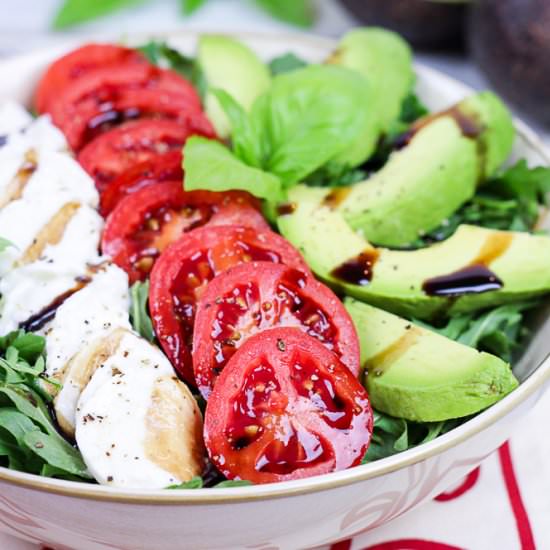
(58, 181)
(93, 312)
(13, 117)
(29, 289)
(31, 141)
(137, 425)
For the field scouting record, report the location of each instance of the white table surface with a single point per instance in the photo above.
(24, 25)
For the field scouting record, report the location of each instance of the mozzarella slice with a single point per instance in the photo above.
(46, 201)
(13, 117)
(91, 313)
(22, 150)
(137, 425)
(63, 268)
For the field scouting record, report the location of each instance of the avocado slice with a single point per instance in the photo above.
(473, 269)
(233, 67)
(444, 157)
(414, 373)
(385, 60)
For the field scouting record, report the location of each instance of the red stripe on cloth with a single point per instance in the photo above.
(520, 513)
(342, 545)
(469, 481)
(412, 544)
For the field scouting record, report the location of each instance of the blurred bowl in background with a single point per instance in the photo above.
(510, 41)
(424, 23)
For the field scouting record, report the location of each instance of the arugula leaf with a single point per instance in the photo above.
(159, 53)
(29, 440)
(195, 482)
(335, 175)
(412, 109)
(394, 435)
(210, 165)
(74, 12)
(296, 12)
(511, 201)
(139, 310)
(56, 452)
(190, 6)
(233, 483)
(286, 63)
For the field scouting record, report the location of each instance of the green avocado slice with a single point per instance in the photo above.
(443, 159)
(233, 67)
(497, 266)
(416, 374)
(385, 60)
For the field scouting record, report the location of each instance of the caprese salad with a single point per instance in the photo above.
(218, 270)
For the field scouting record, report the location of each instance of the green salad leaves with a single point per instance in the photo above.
(29, 441)
(139, 310)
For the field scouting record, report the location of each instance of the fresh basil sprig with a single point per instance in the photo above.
(29, 440)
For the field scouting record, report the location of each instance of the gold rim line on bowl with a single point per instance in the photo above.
(483, 420)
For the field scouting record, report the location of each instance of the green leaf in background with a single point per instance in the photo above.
(412, 109)
(296, 12)
(139, 310)
(286, 63)
(190, 6)
(210, 165)
(74, 12)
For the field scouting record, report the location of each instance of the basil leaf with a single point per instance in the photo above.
(296, 12)
(210, 165)
(74, 12)
(139, 310)
(286, 63)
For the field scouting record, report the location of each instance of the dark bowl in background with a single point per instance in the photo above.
(510, 41)
(424, 23)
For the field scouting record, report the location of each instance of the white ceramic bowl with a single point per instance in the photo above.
(291, 515)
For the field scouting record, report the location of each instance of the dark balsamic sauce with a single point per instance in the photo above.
(286, 208)
(473, 279)
(476, 277)
(336, 197)
(38, 320)
(107, 119)
(358, 270)
(468, 125)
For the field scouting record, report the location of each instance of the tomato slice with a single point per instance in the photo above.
(136, 142)
(184, 269)
(76, 64)
(249, 299)
(159, 168)
(105, 97)
(144, 223)
(285, 407)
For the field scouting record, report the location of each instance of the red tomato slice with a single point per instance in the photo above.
(286, 408)
(137, 142)
(159, 168)
(106, 97)
(249, 299)
(76, 64)
(184, 269)
(144, 223)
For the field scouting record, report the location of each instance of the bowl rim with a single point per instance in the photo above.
(535, 382)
